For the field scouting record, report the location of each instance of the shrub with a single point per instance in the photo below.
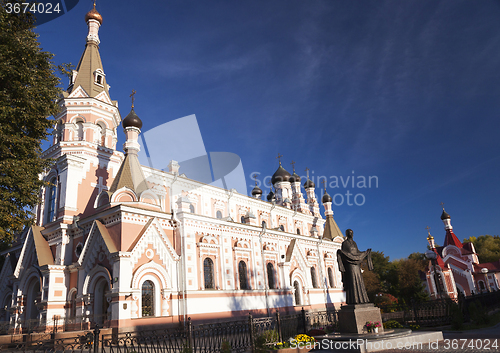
(392, 324)
(225, 347)
(478, 314)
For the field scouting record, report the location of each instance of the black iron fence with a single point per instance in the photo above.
(439, 312)
(238, 336)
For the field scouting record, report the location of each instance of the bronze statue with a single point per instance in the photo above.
(349, 259)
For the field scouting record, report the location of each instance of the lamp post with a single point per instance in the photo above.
(484, 271)
(431, 255)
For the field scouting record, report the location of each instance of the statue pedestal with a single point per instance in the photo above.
(353, 318)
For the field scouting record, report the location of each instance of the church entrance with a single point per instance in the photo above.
(100, 301)
(32, 298)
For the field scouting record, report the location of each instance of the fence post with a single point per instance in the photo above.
(250, 330)
(190, 334)
(304, 321)
(414, 307)
(96, 338)
(278, 324)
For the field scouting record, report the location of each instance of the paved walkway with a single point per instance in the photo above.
(481, 340)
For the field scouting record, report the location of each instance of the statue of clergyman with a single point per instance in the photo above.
(349, 259)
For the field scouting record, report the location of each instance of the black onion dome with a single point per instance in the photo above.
(326, 198)
(132, 120)
(280, 175)
(256, 191)
(295, 177)
(445, 215)
(309, 184)
(270, 196)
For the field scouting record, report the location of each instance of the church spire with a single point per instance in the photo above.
(89, 73)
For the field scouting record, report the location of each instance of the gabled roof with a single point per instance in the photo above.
(491, 266)
(43, 252)
(451, 239)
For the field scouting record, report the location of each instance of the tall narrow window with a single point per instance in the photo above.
(298, 231)
(79, 131)
(264, 224)
(218, 214)
(148, 297)
(313, 277)
(242, 269)
(270, 275)
(51, 201)
(191, 208)
(330, 277)
(208, 271)
(242, 219)
(296, 287)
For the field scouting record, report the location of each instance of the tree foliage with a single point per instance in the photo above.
(28, 93)
(487, 247)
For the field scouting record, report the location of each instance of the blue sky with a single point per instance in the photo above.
(406, 91)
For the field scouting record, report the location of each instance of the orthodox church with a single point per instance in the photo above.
(456, 269)
(125, 245)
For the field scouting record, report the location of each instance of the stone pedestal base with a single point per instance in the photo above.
(353, 318)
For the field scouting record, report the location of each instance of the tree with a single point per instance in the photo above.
(410, 284)
(487, 247)
(28, 94)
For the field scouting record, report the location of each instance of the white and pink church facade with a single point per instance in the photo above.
(125, 245)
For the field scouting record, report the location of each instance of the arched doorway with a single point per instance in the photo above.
(32, 298)
(100, 301)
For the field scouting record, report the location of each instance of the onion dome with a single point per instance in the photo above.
(270, 196)
(430, 237)
(326, 198)
(445, 215)
(93, 15)
(280, 175)
(294, 178)
(256, 191)
(309, 184)
(132, 120)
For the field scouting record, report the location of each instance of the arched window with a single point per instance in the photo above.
(282, 227)
(191, 208)
(270, 275)
(72, 312)
(148, 296)
(298, 231)
(264, 224)
(79, 131)
(101, 134)
(242, 219)
(242, 269)
(313, 277)
(296, 287)
(218, 215)
(330, 277)
(208, 272)
(51, 201)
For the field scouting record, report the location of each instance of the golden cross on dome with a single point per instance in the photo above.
(428, 231)
(133, 98)
(293, 166)
(442, 205)
(307, 171)
(255, 178)
(279, 157)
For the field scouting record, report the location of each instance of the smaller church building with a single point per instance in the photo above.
(456, 269)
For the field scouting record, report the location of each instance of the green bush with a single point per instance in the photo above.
(478, 314)
(225, 347)
(392, 324)
(262, 340)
